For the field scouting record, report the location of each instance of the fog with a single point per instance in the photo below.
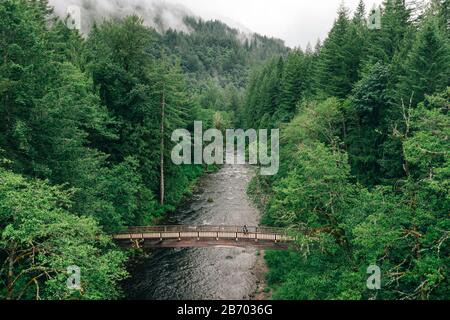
(297, 22)
(155, 13)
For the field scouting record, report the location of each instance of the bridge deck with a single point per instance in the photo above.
(204, 236)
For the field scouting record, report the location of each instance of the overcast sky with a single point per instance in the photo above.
(295, 21)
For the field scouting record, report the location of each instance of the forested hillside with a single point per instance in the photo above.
(86, 122)
(85, 136)
(364, 156)
(217, 60)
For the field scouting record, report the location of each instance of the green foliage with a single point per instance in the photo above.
(426, 68)
(396, 27)
(135, 87)
(275, 92)
(402, 230)
(365, 128)
(215, 52)
(119, 197)
(85, 146)
(314, 190)
(95, 116)
(364, 173)
(341, 56)
(40, 238)
(22, 71)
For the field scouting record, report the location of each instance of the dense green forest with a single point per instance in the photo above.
(85, 136)
(365, 161)
(86, 121)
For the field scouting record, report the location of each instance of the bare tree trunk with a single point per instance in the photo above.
(6, 97)
(11, 258)
(163, 106)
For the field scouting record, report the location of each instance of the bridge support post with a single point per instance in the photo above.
(179, 236)
(237, 238)
(198, 235)
(217, 236)
(275, 238)
(256, 236)
(160, 236)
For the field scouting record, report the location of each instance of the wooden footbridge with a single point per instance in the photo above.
(182, 236)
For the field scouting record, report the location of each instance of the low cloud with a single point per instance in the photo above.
(155, 13)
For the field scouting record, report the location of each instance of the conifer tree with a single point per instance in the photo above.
(340, 56)
(170, 102)
(426, 69)
(295, 84)
(395, 30)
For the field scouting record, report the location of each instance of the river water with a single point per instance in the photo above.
(203, 273)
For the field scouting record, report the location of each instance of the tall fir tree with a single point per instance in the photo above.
(395, 29)
(340, 56)
(426, 68)
(170, 101)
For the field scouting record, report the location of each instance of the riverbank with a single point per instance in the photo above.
(257, 194)
(260, 269)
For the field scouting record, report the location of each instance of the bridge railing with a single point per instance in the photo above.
(205, 232)
(204, 228)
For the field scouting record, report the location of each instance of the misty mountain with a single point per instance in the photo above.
(155, 13)
(215, 51)
(208, 50)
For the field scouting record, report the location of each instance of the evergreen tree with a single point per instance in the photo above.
(170, 100)
(23, 77)
(340, 56)
(360, 13)
(295, 84)
(426, 69)
(395, 29)
(364, 127)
